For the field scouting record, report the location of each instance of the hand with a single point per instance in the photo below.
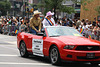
(37, 31)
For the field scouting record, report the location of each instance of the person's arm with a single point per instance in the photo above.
(31, 25)
(40, 25)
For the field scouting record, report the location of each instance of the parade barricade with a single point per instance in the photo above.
(14, 30)
(9, 29)
(5, 29)
(95, 36)
(98, 35)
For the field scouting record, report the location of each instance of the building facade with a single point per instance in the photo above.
(15, 7)
(62, 14)
(77, 6)
(91, 13)
(18, 8)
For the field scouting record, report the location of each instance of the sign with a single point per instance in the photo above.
(23, 8)
(17, 5)
(90, 55)
(37, 47)
(30, 1)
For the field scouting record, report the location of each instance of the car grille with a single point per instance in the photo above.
(88, 48)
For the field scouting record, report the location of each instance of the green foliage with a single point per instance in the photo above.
(69, 10)
(34, 6)
(84, 3)
(4, 7)
(56, 5)
(98, 10)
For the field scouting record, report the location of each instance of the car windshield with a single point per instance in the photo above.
(62, 31)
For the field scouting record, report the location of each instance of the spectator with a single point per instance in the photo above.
(68, 22)
(63, 22)
(27, 29)
(87, 21)
(78, 23)
(22, 27)
(95, 29)
(94, 22)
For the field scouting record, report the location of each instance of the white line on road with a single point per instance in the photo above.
(14, 42)
(8, 55)
(8, 47)
(12, 63)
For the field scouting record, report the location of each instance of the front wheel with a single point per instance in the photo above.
(54, 55)
(23, 50)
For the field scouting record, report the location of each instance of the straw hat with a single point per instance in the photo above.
(36, 12)
(49, 13)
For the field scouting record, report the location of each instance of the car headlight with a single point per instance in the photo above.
(69, 47)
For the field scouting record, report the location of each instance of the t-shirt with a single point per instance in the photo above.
(46, 23)
(94, 23)
(9, 22)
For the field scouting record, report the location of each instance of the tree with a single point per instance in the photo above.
(56, 5)
(34, 6)
(4, 7)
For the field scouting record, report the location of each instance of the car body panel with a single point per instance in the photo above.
(61, 42)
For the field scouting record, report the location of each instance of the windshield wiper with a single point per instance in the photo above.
(55, 36)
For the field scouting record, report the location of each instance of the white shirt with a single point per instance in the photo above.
(46, 23)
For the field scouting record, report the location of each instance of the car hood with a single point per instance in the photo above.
(76, 40)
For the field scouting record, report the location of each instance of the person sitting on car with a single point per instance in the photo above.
(48, 20)
(35, 23)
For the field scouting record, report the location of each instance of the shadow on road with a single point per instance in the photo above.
(76, 65)
(63, 64)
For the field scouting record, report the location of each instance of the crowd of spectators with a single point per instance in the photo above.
(90, 28)
(10, 25)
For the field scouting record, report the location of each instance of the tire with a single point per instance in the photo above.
(94, 64)
(54, 56)
(23, 50)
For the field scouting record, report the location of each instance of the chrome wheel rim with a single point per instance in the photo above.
(22, 49)
(54, 55)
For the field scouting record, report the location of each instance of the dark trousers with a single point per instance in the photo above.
(33, 31)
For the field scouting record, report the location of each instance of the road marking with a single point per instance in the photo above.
(8, 55)
(7, 44)
(8, 47)
(14, 42)
(13, 63)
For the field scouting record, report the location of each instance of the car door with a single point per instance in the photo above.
(37, 45)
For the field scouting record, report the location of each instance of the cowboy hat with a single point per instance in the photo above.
(49, 13)
(36, 12)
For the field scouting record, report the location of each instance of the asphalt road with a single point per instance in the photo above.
(10, 57)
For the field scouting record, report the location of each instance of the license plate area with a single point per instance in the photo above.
(90, 55)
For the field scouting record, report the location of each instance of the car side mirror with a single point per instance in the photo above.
(42, 30)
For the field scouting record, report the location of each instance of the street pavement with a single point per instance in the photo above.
(10, 57)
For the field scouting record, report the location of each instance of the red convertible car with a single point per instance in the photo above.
(59, 43)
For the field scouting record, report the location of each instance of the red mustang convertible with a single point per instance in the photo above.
(59, 43)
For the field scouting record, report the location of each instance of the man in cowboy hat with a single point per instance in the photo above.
(35, 23)
(48, 20)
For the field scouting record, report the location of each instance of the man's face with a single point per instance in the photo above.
(87, 21)
(37, 15)
(50, 16)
